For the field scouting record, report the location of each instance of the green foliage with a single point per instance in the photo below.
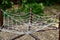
(46, 2)
(31, 1)
(24, 1)
(36, 8)
(5, 4)
(51, 2)
(28, 1)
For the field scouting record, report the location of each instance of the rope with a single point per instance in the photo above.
(36, 20)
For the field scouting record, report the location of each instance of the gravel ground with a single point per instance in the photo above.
(44, 35)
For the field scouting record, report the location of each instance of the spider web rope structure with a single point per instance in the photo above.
(20, 24)
(28, 23)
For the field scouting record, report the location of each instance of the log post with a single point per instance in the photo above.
(1, 18)
(31, 15)
(30, 20)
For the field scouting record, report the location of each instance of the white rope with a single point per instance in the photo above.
(16, 32)
(12, 17)
(44, 26)
(12, 23)
(8, 21)
(12, 31)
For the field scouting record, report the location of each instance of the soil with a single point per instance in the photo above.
(46, 35)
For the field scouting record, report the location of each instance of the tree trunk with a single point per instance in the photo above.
(1, 18)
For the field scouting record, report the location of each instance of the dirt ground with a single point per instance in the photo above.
(46, 35)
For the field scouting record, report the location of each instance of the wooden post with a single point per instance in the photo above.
(31, 15)
(30, 18)
(1, 18)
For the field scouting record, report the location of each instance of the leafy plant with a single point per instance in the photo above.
(5, 4)
(36, 8)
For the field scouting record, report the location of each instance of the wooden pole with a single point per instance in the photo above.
(1, 18)
(31, 15)
(30, 18)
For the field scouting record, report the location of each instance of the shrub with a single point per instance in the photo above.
(5, 4)
(36, 8)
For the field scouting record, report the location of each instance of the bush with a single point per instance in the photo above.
(46, 2)
(36, 8)
(28, 1)
(4, 4)
(51, 2)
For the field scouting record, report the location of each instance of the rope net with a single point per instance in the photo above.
(21, 23)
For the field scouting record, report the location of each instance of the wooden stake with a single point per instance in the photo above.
(1, 18)
(31, 15)
(30, 19)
